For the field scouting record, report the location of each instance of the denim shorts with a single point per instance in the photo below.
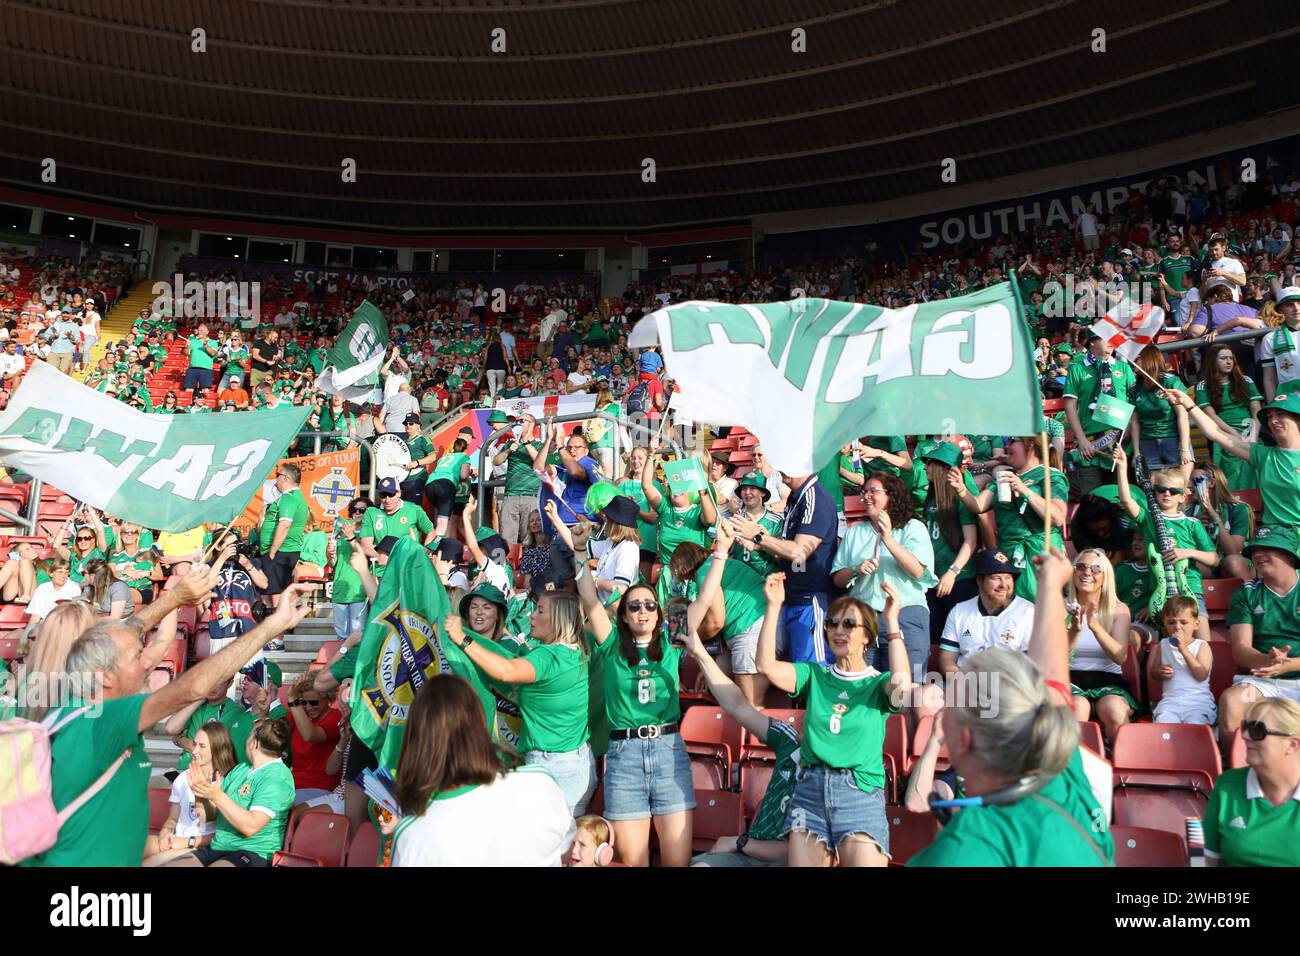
(574, 771)
(1164, 452)
(647, 778)
(828, 804)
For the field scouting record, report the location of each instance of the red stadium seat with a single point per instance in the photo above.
(755, 748)
(159, 678)
(364, 849)
(718, 813)
(1158, 801)
(159, 808)
(1090, 737)
(327, 651)
(694, 686)
(1218, 595)
(1252, 497)
(1140, 846)
(896, 743)
(1237, 756)
(710, 732)
(1161, 747)
(1222, 669)
(909, 832)
(282, 859)
(8, 648)
(754, 778)
(707, 773)
(320, 836)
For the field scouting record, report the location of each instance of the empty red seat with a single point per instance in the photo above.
(159, 808)
(709, 731)
(1090, 737)
(1222, 669)
(1252, 497)
(1142, 846)
(909, 832)
(754, 778)
(1218, 595)
(284, 859)
(896, 743)
(1154, 799)
(13, 617)
(1166, 747)
(320, 836)
(707, 772)
(364, 848)
(718, 813)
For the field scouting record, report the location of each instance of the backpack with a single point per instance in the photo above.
(638, 400)
(29, 824)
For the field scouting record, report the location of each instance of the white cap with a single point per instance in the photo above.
(1290, 294)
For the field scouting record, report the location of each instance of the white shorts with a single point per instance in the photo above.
(744, 650)
(1271, 686)
(1197, 710)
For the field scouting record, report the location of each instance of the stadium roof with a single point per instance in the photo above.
(552, 133)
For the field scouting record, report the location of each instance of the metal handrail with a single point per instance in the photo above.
(1241, 336)
(616, 422)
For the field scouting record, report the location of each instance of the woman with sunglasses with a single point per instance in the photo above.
(170, 406)
(1253, 818)
(134, 564)
(838, 807)
(1228, 520)
(348, 595)
(88, 541)
(1098, 628)
(315, 733)
(647, 768)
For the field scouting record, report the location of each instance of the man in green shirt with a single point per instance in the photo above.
(202, 350)
(1099, 373)
(185, 723)
(422, 456)
(519, 498)
(393, 516)
(1264, 626)
(281, 535)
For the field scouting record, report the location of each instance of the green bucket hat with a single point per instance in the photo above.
(945, 452)
(499, 417)
(1283, 539)
(1283, 401)
(755, 479)
(487, 592)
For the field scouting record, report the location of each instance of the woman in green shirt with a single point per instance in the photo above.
(1228, 521)
(1160, 429)
(136, 565)
(647, 767)
(338, 417)
(1232, 402)
(252, 802)
(170, 405)
(1053, 820)
(453, 468)
(953, 530)
(838, 806)
(552, 683)
(679, 519)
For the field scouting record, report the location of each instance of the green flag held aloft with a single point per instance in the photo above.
(403, 648)
(352, 366)
(685, 475)
(808, 375)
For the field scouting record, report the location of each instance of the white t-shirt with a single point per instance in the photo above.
(617, 562)
(189, 823)
(1228, 264)
(969, 630)
(47, 595)
(1087, 224)
(521, 819)
(1288, 366)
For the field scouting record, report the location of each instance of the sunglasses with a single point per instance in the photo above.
(84, 537)
(1257, 730)
(1169, 490)
(636, 606)
(124, 532)
(1093, 568)
(847, 622)
(310, 703)
(390, 494)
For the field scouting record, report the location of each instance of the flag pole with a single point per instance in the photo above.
(215, 547)
(1149, 378)
(1047, 489)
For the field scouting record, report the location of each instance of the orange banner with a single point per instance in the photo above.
(329, 482)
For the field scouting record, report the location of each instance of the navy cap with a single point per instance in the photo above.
(387, 486)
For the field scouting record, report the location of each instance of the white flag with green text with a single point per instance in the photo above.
(808, 375)
(169, 472)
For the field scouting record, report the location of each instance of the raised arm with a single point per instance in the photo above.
(1225, 438)
(780, 673)
(706, 597)
(1048, 644)
(1121, 483)
(598, 622)
(900, 668)
(652, 495)
(724, 691)
(471, 538)
(507, 670)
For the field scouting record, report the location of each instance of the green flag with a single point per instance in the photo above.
(170, 472)
(809, 374)
(403, 648)
(1113, 412)
(352, 366)
(685, 475)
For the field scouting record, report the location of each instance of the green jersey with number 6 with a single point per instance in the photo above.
(642, 693)
(844, 726)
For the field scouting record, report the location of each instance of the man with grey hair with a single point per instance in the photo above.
(110, 829)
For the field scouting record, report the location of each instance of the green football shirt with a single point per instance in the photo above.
(291, 505)
(1156, 415)
(449, 466)
(676, 526)
(268, 789)
(199, 357)
(742, 593)
(769, 821)
(378, 524)
(521, 479)
(844, 724)
(1274, 618)
(1242, 828)
(237, 720)
(944, 555)
(347, 585)
(1061, 825)
(1235, 414)
(420, 447)
(759, 560)
(1279, 483)
(1187, 532)
(554, 707)
(1081, 383)
(640, 694)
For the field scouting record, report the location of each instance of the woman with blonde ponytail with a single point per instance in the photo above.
(1014, 744)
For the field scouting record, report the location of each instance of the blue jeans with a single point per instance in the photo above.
(574, 771)
(828, 805)
(349, 618)
(914, 622)
(1161, 452)
(647, 778)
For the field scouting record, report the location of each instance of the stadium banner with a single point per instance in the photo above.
(808, 375)
(352, 365)
(542, 405)
(404, 647)
(168, 472)
(329, 483)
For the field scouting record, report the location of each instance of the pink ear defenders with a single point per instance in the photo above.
(605, 852)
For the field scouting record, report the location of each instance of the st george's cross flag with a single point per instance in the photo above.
(808, 375)
(169, 472)
(352, 365)
(1130, 327)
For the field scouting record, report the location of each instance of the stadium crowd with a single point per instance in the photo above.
(827, 617)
